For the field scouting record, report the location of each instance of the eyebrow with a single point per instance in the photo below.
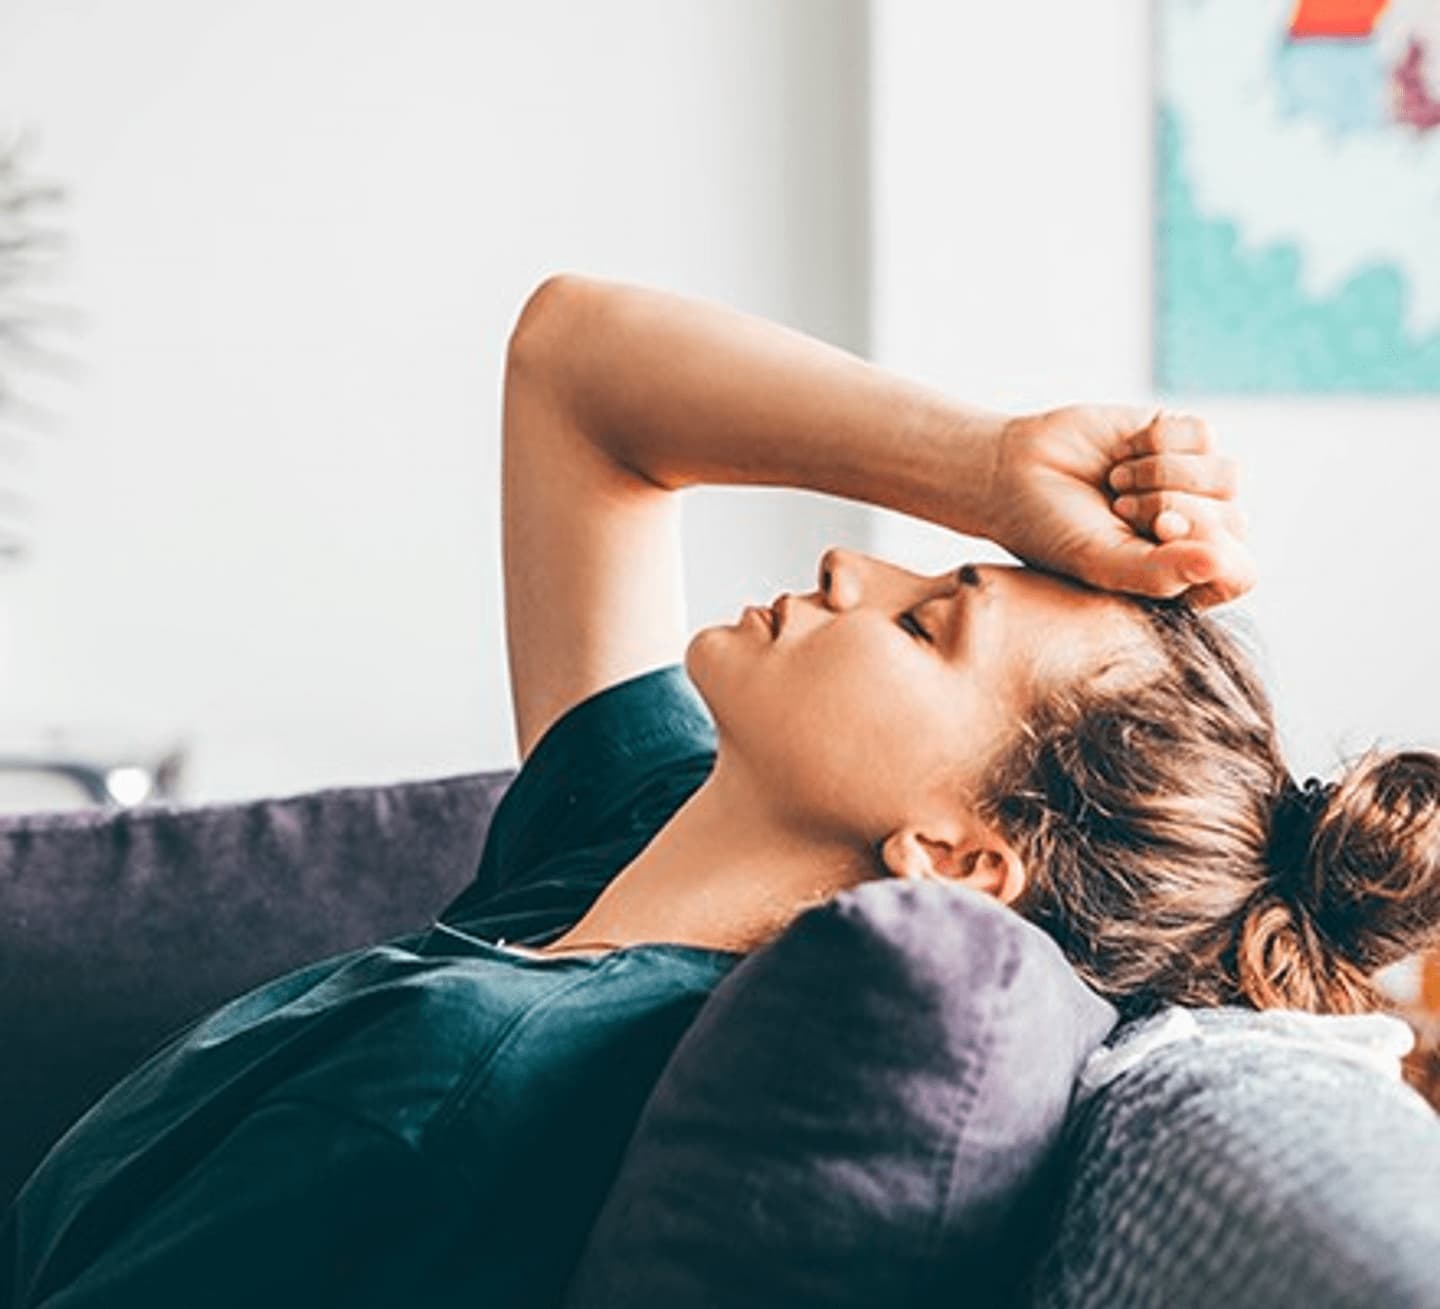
(965, 575)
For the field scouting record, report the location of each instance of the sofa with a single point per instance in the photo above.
(1171, 1159)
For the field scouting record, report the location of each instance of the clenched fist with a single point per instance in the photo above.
(1124, 499)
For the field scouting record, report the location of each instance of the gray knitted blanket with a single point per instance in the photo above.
(1248, 1159)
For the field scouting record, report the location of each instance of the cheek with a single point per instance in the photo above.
(870, 677)
(836, 710)
(822, 715)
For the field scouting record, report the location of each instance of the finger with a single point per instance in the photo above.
(1175, 433)
(1170, 524)
(1230, 574)
(1145, 512)
(1171, 516)
(1116, 426)
(1205, 516)
(1207, 474)
(1161, 514)
(1206, 570)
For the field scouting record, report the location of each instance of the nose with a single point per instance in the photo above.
(849, 577)
(838, 576)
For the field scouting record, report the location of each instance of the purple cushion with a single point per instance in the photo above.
(116, 928)
(865, 1112)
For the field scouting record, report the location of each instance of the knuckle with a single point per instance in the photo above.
(1146, 441)
(1175, 472)
(1170, 471)
(1186, 432)
(1147, 473)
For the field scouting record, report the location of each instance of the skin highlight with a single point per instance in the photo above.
(850, 743)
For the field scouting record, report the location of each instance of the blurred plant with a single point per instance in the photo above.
(29, 250)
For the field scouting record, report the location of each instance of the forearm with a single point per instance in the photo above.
(685, 392)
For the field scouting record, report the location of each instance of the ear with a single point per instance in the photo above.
(977, 857)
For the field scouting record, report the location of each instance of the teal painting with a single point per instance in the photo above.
(1297, 161)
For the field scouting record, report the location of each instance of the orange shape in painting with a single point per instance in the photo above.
(1332, 18)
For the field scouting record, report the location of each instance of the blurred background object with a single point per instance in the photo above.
(29, 247)
(300, 236)
(54, 768)
(44, 772)
(1298, 196)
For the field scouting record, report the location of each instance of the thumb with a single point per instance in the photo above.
(1162, 570)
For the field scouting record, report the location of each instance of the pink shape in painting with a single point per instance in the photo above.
(1416, 102)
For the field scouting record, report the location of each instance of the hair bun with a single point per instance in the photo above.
(1372, 876)
(1355, 868)
(1293, 823)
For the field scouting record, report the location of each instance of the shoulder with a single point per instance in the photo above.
(601, 780)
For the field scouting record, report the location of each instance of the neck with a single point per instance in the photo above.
(725, 873)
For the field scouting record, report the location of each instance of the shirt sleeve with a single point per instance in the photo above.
(298, 1205)
(599, 783)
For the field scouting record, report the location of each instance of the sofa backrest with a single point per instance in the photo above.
(117, 928)
(1243, 1166)
(1218, 1171)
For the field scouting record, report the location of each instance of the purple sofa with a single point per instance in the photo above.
(117, 927)
(1224, 1170)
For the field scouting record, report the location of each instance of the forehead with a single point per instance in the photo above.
(1063, 629)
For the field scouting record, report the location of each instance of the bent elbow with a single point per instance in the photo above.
(544, 320)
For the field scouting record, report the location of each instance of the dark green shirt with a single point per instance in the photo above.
(430, 1121)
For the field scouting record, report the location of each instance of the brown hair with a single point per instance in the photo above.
(1145, 819)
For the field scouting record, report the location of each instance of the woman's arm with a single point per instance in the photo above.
(686, 392)
(683, 391)
(617, 395)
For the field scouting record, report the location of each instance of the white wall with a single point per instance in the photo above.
(300, 235)
(1012, 222)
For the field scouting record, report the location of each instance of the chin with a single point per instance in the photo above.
(705, 658)
(696, 657)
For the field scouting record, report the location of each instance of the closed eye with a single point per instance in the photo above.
(913, 625)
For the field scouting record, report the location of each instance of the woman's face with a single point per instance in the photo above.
(886, 690)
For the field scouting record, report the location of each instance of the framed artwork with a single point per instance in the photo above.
(1297, 243)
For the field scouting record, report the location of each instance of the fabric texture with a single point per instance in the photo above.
(1246, 1160)
(589, 798)
(863, 1114)
(437, 1117)
(1380, 1041)
(117, 928)
(1222, 1171)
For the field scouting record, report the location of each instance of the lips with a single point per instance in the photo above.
(777, 612)
(772, 616)
(763, 615)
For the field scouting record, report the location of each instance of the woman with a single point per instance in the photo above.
(1106, 764)
(441, 1115)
